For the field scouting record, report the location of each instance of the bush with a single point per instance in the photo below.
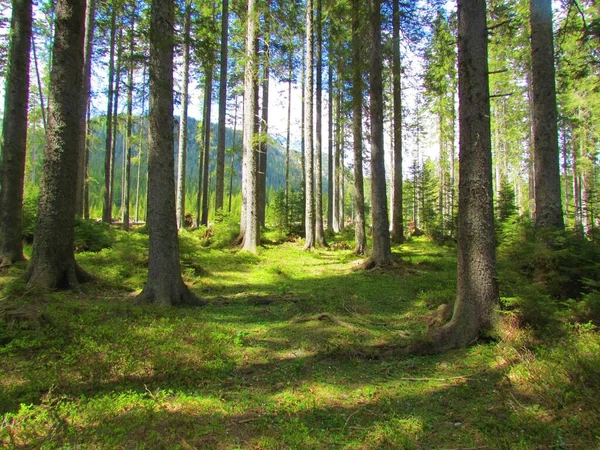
(30, 207)
(91, 236)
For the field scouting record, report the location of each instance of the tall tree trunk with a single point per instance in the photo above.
(107, 206)
(308, 132)
(126, 189)
(250, 181)
(86, 166)
(207, 138)
(264, 122)
(397, 216)
(39, 82)
(220, 175)
(548, 208)
(139, 167)
(183, 119)
(337, 166)
(87, 70)
(115, 133)
(319, 231)
(53, 264)
(287, 139)
(382, 252)
(303, 134)
(14, 129)
(233, 152)
(165, 285)
(360, 236)
(477, 292)
(330, 165)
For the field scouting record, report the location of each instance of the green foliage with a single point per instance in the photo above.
(92, 236)
(30, 206)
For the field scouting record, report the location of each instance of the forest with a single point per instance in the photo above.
(274, 224)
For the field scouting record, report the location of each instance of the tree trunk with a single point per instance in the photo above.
(477, 292)
(207, 110)
(14, 129)
(220, 175)
(53, 262)
(548, 210)
(107, 206)
(264, 123)
(250, 213)
(137, 181)
(330, 169)
(87, 70)
(165, 285)
(319, 231)
(397, 216)
(360, 236)
(308, 132)
(382, 252)
(303, 135)
(86, 166)
(183, 119)
(233, 152)
(126, 189)
(115, 133)
(287, 140)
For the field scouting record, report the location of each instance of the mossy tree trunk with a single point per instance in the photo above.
(319, 229)
(53, 264)
(165, 285)
(14, 129)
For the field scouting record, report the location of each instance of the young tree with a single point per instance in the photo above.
(165, 285)
(548, 209)
(14, 129)
(477, 294)
(53, 264)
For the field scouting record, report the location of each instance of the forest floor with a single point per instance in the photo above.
(262, 366)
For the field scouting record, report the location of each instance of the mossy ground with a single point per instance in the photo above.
(91, 369)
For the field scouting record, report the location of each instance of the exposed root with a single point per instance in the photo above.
(69, 276)
(180, 296)
(371, 264)
(323, 316)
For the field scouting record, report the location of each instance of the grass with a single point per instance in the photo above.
(93, 370)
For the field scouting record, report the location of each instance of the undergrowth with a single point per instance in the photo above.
(271, 361)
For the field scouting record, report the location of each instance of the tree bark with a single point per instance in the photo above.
(87, 70)
(126, 189)
(477, 292)
(53, 262)
(548, 209)
(382, 253)
(360, 236)
(165, 285)
(264, 122)
(183, 119)
(207, 113)
(319, 231)
(330, 165)
(397, 216)
(220, 175)
(308, 132)
(115, 133)
(107, 206)
(287, 140)
(250, 217)
(14, 129)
